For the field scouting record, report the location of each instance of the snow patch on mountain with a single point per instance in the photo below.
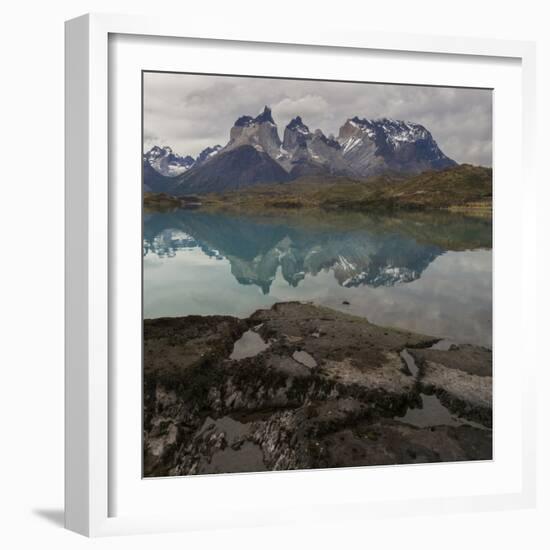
(207, 154)
(166, 162)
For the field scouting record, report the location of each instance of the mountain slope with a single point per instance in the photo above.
(454, 187)
(153, 181)
(237, 168)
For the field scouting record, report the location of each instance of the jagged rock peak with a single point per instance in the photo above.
(298, 125)
(264, 116)
(165, 151)
(158, 151)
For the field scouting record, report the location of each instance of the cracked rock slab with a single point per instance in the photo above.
(461, 377)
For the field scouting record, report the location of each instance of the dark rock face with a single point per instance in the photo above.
(259, 132)
(293, 387)
(296, 134)
(247, 120)
(233, 169)
(244, 120)
(265, 116)
(297, 123)
(311, 153)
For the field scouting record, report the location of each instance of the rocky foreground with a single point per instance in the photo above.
(300, 386)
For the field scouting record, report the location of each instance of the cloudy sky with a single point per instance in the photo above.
(191, 112)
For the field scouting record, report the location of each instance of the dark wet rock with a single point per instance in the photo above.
(289, 366)
(323, 389)
(392, 442)
(174, 344)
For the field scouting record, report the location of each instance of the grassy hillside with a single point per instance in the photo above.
(462, 187)
(459, 187)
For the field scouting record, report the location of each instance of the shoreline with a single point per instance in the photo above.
(300, 386)
(159, 202)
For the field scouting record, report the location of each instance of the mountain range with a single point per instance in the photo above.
(255, 154)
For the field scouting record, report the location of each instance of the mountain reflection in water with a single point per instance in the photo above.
(429, 273)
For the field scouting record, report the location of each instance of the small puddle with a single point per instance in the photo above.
(249, 344)
(431, 412)
(233, 429)
(239, 455)
(248, 458)
(304, 358)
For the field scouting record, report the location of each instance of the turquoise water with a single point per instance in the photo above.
(430, 274)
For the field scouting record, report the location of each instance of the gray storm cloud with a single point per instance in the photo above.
(191, 112)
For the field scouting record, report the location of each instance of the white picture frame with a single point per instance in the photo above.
(91, 226)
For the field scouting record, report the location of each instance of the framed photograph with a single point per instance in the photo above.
(295, 286)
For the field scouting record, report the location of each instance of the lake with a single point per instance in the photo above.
(429, 273)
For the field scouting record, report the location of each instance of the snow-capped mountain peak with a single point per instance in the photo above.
(166, 162)
(157, 151)
(394, 130)
(374, 146)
